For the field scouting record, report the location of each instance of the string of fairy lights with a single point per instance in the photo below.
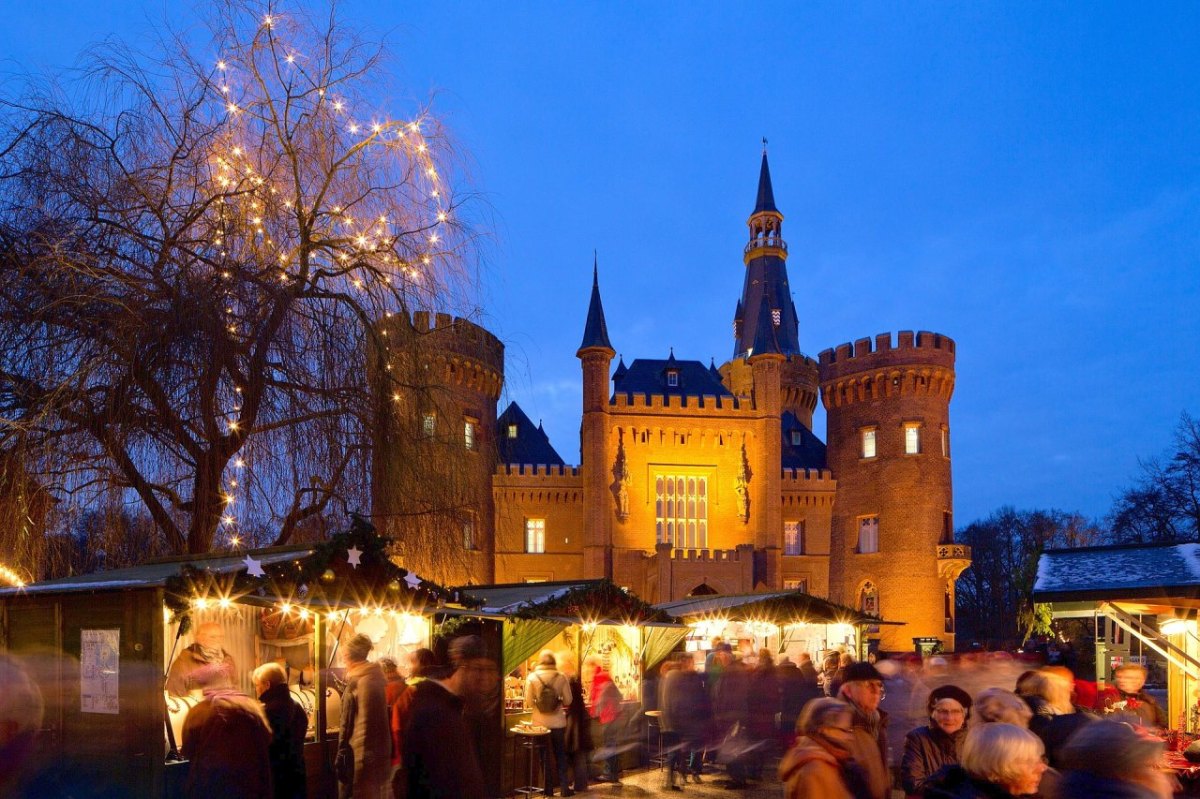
(11, 577)
(345, 235)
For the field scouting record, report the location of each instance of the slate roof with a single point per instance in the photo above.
(595, 331)
(647, 376)
(808, 454)
(509, 597)
(1129, 571)
(765, 338)
(766, 195)
(531, 444)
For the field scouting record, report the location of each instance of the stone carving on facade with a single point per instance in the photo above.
(743, 487)
(621, 482)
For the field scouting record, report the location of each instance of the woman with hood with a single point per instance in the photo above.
(930, 748)
(819, 766)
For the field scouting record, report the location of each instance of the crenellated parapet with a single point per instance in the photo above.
(465, 354)
(538, 483)
(742, 552)
(664, 403)
(916, 365)
(807, 476)
(536, 470)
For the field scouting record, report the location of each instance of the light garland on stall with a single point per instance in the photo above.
(12, 577)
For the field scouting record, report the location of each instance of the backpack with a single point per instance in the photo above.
(547, 699)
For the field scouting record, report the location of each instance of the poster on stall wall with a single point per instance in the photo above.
(99, 670)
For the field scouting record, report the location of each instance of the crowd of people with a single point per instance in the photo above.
(1051, 736)
(841, 729)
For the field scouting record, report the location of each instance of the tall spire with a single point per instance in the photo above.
(766, 296)
(595, 332)
(766, 195)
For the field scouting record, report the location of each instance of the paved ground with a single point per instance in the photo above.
(651, 783)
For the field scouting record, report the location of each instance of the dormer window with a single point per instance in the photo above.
(673, 379)
(797, 438)
(776, 316)
(512, 431)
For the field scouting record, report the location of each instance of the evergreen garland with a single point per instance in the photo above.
(325, 575)
(593, 601)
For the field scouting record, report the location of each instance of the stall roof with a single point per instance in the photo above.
(158, 572)
(505, 598)
(1125, 571)
(778, 606)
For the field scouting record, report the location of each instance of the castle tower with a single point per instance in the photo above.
(767, 292)
(595, 355)
(888, 444)
(766, 362)
(437, 379)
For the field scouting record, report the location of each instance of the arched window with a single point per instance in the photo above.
(868, 599)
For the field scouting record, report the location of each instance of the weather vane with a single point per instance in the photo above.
(764, 145)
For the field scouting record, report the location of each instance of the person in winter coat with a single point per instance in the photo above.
(819, 766)
(1055, 719)
(440, 759)
(364, 757)
(686, 715)
(207, 650)
(1111, 760)
(289, 725)
(731, 709)
(227, 739)
(998, 704)
(578, 737)
(421, 663)
(931, 748)
(545, 683)
(606, 708)
(394, 681)
(862, 689)
(1127, 695)
(762, 703)
(999, 761)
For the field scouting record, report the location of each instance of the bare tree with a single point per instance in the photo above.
(1164, 505)
(194, 256)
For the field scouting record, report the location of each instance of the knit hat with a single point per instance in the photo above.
(860, 672)
(358, 647)
(949, 692)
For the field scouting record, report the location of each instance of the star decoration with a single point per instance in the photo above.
(414, 582)
(353, 556)
(253, 567)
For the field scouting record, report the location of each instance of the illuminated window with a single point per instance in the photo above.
(912, 438)
(947, 527)
(945, 443)
(868, 442)
(469, 433)
(468, 533)
(793, 538)
(535, 535)
(775, 316)
(796, 585)
(673, 378)
(428, 425)
(512, 431)
(681, 511)
(868, 534)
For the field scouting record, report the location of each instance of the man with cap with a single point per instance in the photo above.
(939, 743)
(364, 758)
(862, 689)
(439, 758)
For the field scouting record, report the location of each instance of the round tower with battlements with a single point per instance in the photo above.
(437, 379)
(888, 445)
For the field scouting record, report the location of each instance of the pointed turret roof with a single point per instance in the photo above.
(595, 332)
(765, 340)
(766, 195)
(518, 441)
(621, 369)
(712, 368)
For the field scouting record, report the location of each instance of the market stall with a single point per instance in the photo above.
(115, 653)
(786, 622)
(1141, 602)
(584, 622)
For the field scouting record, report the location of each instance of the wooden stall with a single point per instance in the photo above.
(576, 619)
(786, 622)
(1141, 602)
(101, 646)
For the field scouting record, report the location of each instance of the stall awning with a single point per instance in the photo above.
(504, 598)
(1122, 572)
(778, 607)
(157, 573)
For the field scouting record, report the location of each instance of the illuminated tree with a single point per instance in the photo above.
(195, 252)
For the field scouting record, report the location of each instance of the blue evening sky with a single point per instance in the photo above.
(1023, 177)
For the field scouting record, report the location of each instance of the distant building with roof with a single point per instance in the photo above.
(697, 478)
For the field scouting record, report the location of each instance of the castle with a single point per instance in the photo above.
(697, 479)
